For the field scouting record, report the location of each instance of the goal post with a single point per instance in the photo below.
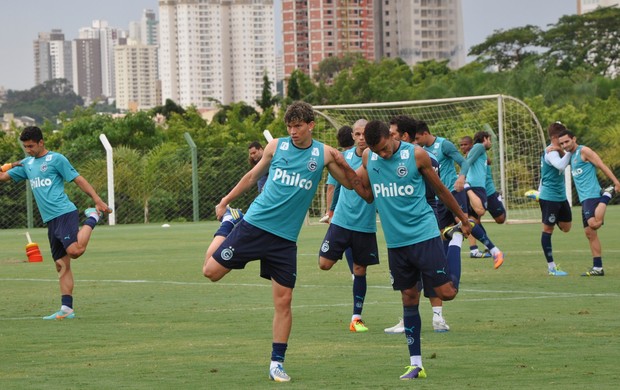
(518, 139)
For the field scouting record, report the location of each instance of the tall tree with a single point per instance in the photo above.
(267, 100)
(506, 49)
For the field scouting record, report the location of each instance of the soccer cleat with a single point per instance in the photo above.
(89, 211)
(413, 372)
(60, 315)
(278, 374)
(532, 194)
(358, 326)
(324, 219)
(232, 215)
(611, 190)
(396, 329)
(557, 272)
(594, 272)
(479, 255)
(439, 325)
(498, 260)
(448, 232)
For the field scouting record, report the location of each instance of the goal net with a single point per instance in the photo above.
(518, 139)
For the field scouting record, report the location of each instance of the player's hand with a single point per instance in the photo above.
(459, 184)
(466, 229)
(220, 209)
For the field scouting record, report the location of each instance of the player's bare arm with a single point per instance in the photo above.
(423, 162)
(85, 186)
(249, 179)
(339, 168)
(590, 155)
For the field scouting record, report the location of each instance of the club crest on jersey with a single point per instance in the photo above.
(404, 154)
(312, 165)
(43, 167)
(325, 246)
(284, 146)
(401, 170)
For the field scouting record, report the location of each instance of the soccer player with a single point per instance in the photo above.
(403, 128)
(392, 174)
(255, 153)
(353, 226)
(476, 182)
(345, 141)
(270, 227)
(584, 162)
(552, 195)
(47, 172)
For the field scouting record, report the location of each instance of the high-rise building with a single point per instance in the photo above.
(584, 6)
(108, 38)
(52, 57)
(87, 69)
(149, 28)
(215, 49)
(314, 30)
(136, 77)
(422, 30)
(413, 30)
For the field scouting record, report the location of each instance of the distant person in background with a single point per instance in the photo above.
(47, 172)
(255, 153)
(593, 199)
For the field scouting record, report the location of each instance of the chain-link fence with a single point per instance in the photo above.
(149, 187)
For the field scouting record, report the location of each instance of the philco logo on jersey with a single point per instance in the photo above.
(577, 172)
(392, 190)
(293, 179)
(38, 182)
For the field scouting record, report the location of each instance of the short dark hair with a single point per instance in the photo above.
(375, 131)
(405, 124)
(566, 132)
(299, 111)
(421, 127)
(480, 136)
(555, 128)
(31, 133)
(255, 145)
(345, 136)
(467, 139)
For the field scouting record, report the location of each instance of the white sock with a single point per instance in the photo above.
(356, 317)
(66, 309)
(416, 360)
(438, 311)
(95, 215)
(457, 240)
(495, 250)
(551, 266)
(274, 364)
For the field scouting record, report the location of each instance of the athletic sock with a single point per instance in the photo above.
(278, 350)
(67, 301)
(413, 323)
(545, 242)
(597, 262)
(478, 232)
(454, 258)
(359, 293)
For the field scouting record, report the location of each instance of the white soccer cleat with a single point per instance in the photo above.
(396, 329)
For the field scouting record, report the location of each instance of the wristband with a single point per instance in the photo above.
(7, 166)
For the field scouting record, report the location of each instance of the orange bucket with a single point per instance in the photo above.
(32, 251)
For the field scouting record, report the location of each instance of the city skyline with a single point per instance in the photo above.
(480, 19)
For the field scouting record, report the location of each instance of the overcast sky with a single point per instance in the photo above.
(22, 20)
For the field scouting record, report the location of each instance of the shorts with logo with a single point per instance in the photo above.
(554, 212)
(587, 209)
(445, 216)
(338, 239)
(62, 231)
(278, 256)
(424, 261)
(495, 207)
(481, 193)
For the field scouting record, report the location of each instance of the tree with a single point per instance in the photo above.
(267, 99)
(505, 49)
(590, 41)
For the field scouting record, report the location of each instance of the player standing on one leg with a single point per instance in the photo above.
(392, 173)
(552, 195)
(48, 171)
(268, 232)
(354, 225)
(584, 162)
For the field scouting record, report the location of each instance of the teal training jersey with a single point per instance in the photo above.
(584, 176)
(489, 185)
(477, 158)
(352, 212)
(294, 176)
(47, 176)
(399, 191)
(447, 155)
(552, 185)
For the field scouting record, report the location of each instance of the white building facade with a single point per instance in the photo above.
(135, 69)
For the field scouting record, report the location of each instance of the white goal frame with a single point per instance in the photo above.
(518, 208)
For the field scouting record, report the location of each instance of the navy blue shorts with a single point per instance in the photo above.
(338, 239)
(278, 256)
(495, 206)
(424, 261)
(445, 217)
(554, 212)
(62, 231)
(481, 193)
(587, 209)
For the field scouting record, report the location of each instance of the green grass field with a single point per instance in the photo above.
(147, 318)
